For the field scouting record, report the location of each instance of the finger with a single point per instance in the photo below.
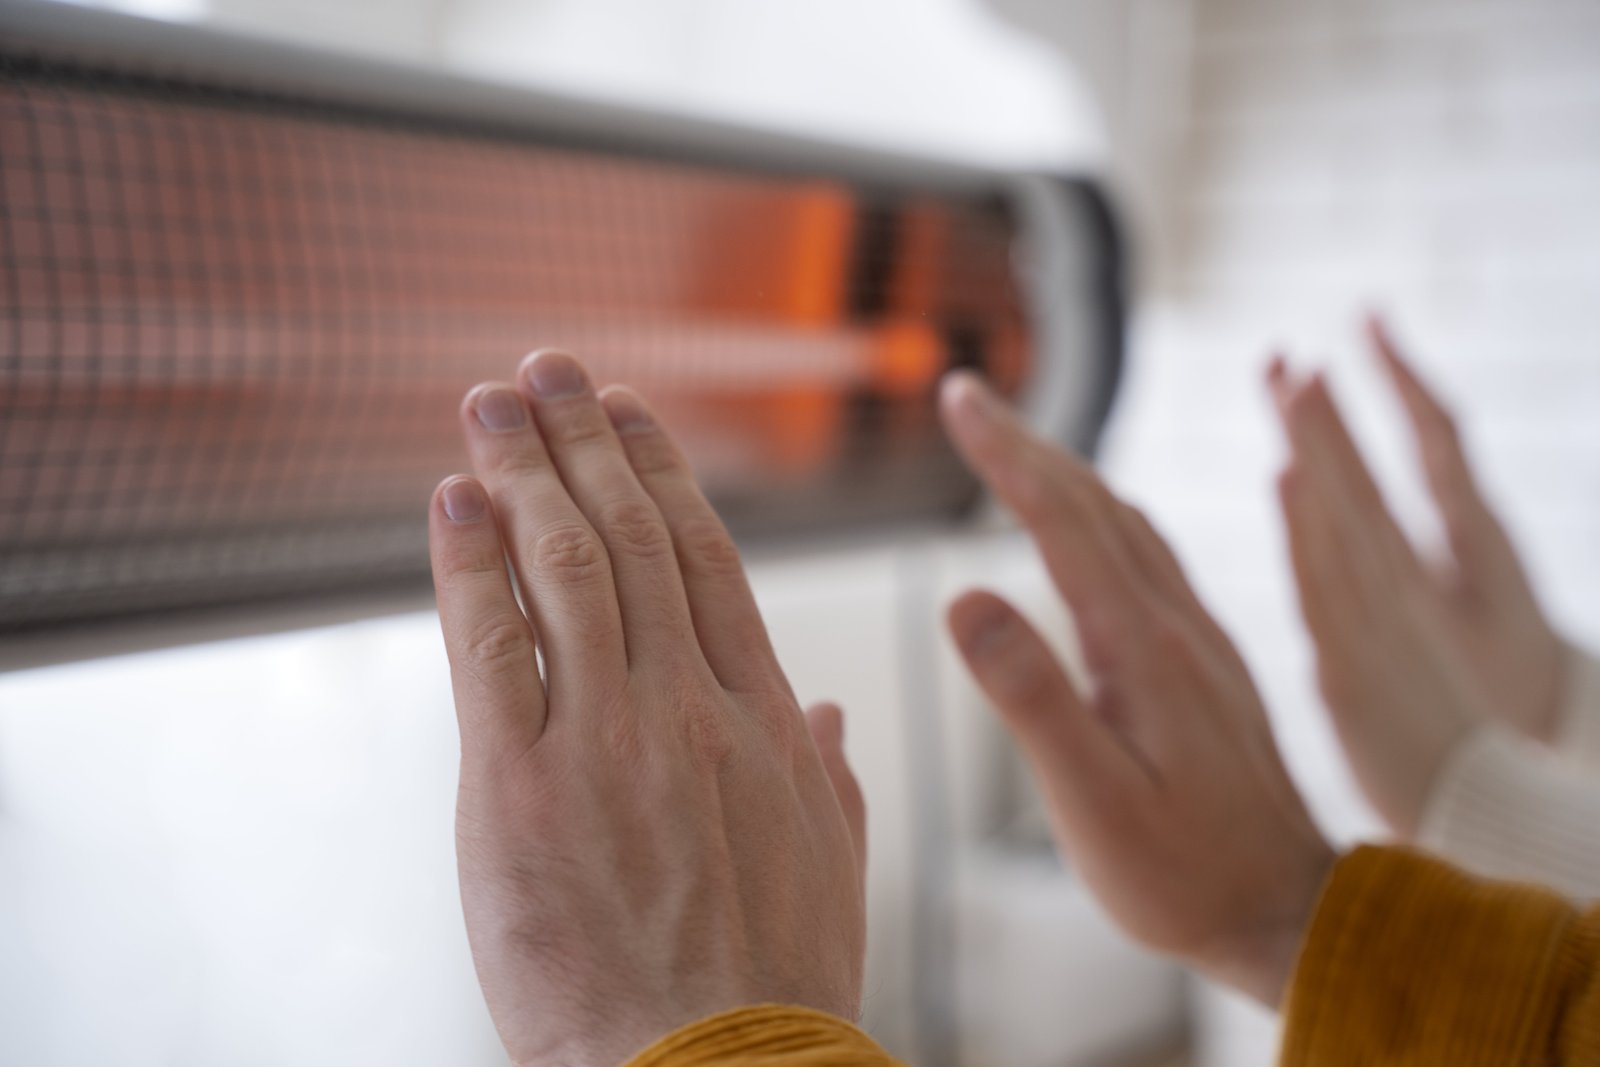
(1444, 462)
(1281, 382)
(1156, 560)
(586, 452)
(826, 723)
(1318, 432)
(726, 620)
(1313, 454)
(1062, 504)
(1322, 575)
(559, 561)
(1322, 444)
(1470, 525)
(1160, 565)
(1314, 549)
(1076, 756)
(493, 671)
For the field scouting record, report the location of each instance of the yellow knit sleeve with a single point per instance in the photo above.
(768, 1035)
(1410, 962)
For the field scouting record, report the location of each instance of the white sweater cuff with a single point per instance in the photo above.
(1578, 722)
(1508, 809)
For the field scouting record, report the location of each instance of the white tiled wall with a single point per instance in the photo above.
(1436, 158)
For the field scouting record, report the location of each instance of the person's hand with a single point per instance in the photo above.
(1399, 691)
(1483, 592)
(1164, 783)
(648, 833)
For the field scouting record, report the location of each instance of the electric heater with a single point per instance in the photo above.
(244, 287)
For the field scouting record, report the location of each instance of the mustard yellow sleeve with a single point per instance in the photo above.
(1409, 962)
(769, 1035)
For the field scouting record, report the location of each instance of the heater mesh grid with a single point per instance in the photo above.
(234, 331)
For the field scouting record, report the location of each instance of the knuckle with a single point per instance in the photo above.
(706, 546)
(636, 527)
(462, 561)
(490, 649)
(521, 459)
(582, 432)
(652, 454)
(702, 714)
(706, 730)
(773, 729)
(569, 553)
(1030, 684)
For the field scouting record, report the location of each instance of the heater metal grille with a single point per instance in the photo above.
(235, 325)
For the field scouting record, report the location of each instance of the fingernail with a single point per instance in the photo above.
(554, 375)
(463, 501)
(500, 410)
(969, 390)
(627, 414)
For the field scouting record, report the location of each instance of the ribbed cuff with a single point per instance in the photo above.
(1506, 808)
(1578, 720)
(1408, 961)
(768, 1034)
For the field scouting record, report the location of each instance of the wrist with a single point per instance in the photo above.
(1432, 767)
(1258, 957)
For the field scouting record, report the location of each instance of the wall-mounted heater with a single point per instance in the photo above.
(243, 287)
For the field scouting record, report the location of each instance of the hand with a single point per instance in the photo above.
(1400, 693)
(1483, 592)
(648, 834)
(1163, 781)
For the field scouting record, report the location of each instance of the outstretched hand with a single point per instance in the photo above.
(1164, 783)
(647, 833)
(1411, 655)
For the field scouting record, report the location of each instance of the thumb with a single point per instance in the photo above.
(826, 723)
(1073, 753)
